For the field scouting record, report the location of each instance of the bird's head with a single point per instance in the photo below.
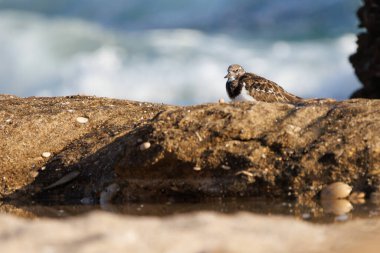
(234, 71)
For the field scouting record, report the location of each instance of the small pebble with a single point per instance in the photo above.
(46, 154)
(108, 194)
(337, 190)
(221, 101)
(82, 120)
(357, 197)
(34, 174)
(196, 168)
(342, 218)
(145, 146)
(226, 167)
(87, 201)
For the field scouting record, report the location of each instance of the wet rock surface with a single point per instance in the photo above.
(155, 152)
(366, 60)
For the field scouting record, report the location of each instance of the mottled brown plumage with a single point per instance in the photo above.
(243, 86)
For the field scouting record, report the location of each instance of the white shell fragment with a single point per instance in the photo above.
(65, 179)
(145, 146)
(46, 154)
(198, 135)
(82, 120)
(226, 167)
(34, 174)
(108, 194)
(337, 190)
(197, 168)
(221, 101)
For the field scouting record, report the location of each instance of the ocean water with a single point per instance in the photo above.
(174, 51)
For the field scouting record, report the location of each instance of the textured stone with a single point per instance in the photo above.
(271, 150)
(238, 149)
(49, 124)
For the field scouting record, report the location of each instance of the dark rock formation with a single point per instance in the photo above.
(366, 60)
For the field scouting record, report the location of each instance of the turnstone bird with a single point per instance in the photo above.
(243, 86)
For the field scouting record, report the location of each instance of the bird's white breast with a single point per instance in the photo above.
(244, 95)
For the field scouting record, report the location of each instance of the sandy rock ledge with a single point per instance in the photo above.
(157, 151)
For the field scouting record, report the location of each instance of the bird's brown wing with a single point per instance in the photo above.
(265, 90)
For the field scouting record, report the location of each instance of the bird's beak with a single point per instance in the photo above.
(228, 75)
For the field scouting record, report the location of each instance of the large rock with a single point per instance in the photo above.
(159, 151)
(366, 60)
(245, 149)
(32, 126)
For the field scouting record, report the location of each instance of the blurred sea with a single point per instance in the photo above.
(174, 51)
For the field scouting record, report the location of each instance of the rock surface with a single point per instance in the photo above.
(266, 150)
(366, 60)
(211, 150)
(197, 232)
(32, 126)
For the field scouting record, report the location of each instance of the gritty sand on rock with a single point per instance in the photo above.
(260, 149)
(154, 151)
(31, 128)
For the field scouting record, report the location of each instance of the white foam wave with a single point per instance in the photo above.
(52, 57)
